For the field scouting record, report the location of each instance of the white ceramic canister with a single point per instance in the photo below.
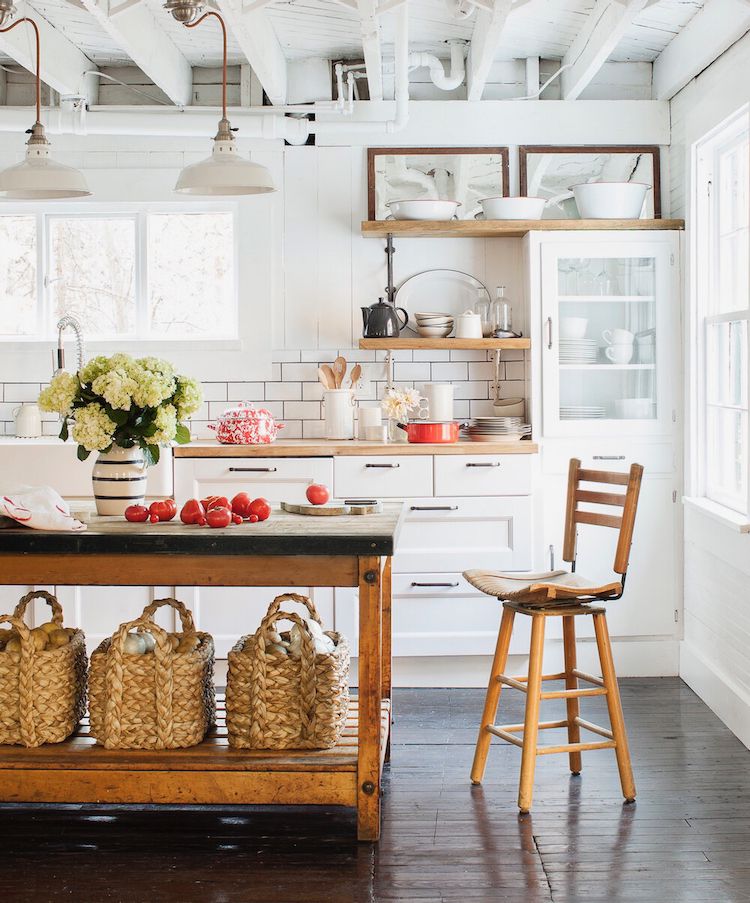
(338, 412)
(119, 479)
(28, 421)
(439, 398)
(468, 325)
(368, 417)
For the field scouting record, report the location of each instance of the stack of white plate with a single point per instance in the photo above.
(496, 429)
(434, 325)
(582, 412)
(578, 351)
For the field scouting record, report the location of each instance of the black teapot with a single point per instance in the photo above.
(382, 320)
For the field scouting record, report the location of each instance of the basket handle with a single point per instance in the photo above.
(186, 618)
(164, 684)
(57, 612)
(25, 676)
(295, 597)
(307, 684)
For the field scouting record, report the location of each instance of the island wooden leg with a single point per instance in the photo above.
(387, 634)
(370, 686)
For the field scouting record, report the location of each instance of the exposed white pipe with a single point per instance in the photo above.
(437, 73)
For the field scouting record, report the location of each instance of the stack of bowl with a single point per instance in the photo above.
(434, 325)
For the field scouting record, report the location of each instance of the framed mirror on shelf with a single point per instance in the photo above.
(462, 174)
(550, 171)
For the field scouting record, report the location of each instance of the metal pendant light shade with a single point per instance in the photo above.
(38, 178)
(225, 172)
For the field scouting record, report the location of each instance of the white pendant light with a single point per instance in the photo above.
(225, 172)
(38, 178)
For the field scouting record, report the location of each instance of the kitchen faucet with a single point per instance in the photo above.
(68, 322)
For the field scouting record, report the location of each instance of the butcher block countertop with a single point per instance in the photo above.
(322, 448)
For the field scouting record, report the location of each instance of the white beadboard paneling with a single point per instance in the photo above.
(333, 231)
(301, 304)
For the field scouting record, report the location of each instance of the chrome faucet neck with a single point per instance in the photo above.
(68, 322)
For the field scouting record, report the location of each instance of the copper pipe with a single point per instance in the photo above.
(224, 67)
(38, 54)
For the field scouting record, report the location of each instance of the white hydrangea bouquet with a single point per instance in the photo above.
(123, 402)
(398, 402)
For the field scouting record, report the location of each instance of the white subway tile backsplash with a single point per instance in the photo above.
(484, 370)
(452, 371)
(411, 371)
(299, 372)
(214, 391)
(292, 429)
(286, 356)
(316, 356)
(469, 355)
(515, 370)
(246, 391)
(311, 391)
(313, 429)
(21, 391)
(430, 355)
(469, 390)
(284, 391)
(302, 410)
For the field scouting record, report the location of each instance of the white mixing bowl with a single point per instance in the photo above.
(610, 200)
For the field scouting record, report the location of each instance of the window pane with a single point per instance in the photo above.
(92, 273)
(727, 457)
(18, 248)
(726, 364)
(731, 276)
(191, 285)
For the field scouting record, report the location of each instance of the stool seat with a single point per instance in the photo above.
(546, 589)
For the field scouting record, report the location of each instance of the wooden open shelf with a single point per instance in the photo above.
(416, 343)
(79, 771)
(507, 228)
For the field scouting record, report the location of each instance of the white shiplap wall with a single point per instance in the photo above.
(715, 653)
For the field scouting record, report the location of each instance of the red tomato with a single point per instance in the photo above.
(241, 504)
(136, 514)
(163, 511)
(236, 519)
(252, 518)
(215, 501)
(317, 494)
(261, 508)
(218, 517)
(192, 512)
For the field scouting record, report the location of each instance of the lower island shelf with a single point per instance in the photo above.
(80, 771)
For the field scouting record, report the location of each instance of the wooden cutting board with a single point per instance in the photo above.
(332, 509)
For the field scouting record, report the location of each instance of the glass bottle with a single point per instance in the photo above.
(502, 315)
(483, 307)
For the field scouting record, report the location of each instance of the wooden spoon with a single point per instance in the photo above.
(355, 375)
(327, 376)
(339, 369)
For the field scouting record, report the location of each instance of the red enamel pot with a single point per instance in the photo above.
(434, 431)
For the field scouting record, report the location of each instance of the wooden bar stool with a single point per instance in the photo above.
(566, 595)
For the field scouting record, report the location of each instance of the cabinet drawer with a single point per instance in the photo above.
(609, 454)
(482, 474)
(383, 476)
(456, 534)
(277, 479)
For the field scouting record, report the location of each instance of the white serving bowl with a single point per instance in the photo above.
(435, 321)
(573, 327)
(513, 208)
(423, 209)
(610, 200)
(435, 332)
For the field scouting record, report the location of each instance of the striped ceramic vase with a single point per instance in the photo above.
(119, 479)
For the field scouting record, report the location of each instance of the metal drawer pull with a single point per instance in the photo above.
(433, 508)
(389, 466)
(447, 585)
(483, 464)
(609, 457)
(252, 470)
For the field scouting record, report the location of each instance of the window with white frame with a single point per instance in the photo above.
(722, 312)
(132, 274)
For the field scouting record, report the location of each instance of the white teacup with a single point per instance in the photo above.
(573, 327)
(634, 408)
(618, 337)
(620, 353)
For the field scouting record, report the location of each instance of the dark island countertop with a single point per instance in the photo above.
(281, 534)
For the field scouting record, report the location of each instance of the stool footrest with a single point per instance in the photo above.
(574, 747)
(594, 728)
(519, 683)
(504, 735)
(508, 733)
(574, 694)
(589, 678)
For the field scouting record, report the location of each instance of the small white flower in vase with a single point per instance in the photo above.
(397, 403)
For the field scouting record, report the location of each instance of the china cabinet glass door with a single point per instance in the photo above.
(606, 309)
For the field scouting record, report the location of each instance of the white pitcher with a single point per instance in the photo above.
(28, 419)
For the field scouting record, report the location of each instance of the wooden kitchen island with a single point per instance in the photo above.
(287, 550)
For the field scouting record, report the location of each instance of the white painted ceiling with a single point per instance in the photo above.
(309, 28)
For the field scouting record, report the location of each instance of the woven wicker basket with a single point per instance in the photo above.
(42, 694)
(159, 700)
(277, 702)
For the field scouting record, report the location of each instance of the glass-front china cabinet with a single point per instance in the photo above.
(608, 326)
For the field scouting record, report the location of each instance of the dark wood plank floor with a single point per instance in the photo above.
(687, 839)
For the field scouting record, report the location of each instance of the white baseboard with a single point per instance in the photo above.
(727, 700)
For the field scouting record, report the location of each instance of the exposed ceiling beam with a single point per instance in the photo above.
(601, 33)
(370, 27)
(258, 41)
(137, 31)
(484, 43)
(62, 64)
(705, 37)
